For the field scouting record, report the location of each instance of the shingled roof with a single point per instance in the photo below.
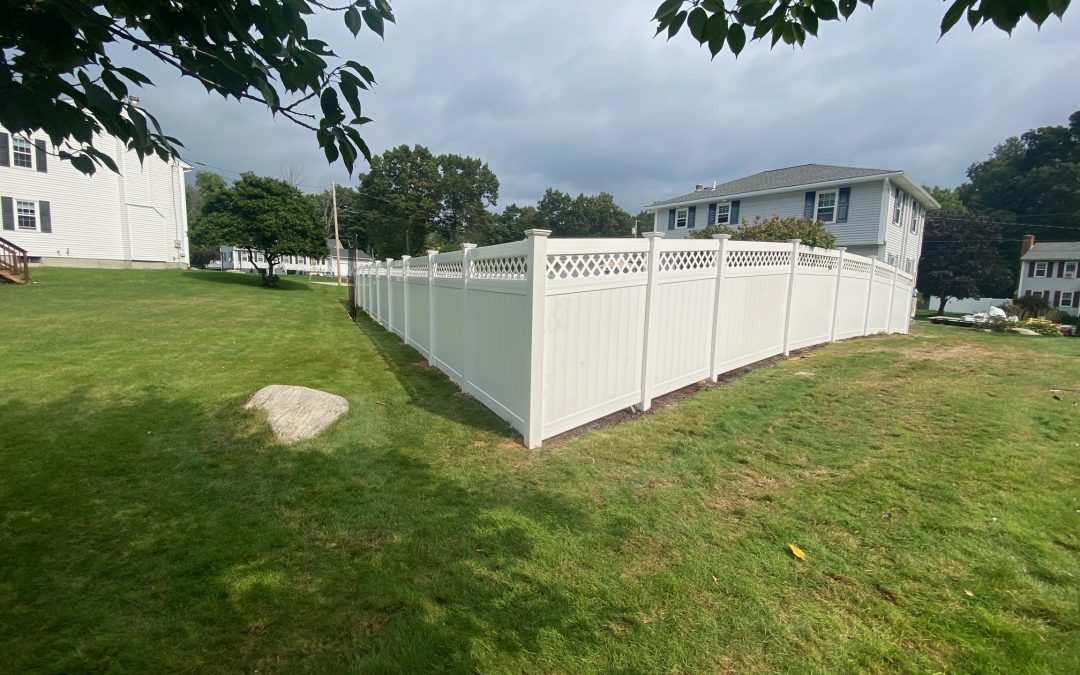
(793, 176)
(1054, 250)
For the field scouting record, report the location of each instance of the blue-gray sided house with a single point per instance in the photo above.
(878, 213)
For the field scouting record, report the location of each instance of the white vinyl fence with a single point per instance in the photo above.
(554, 333)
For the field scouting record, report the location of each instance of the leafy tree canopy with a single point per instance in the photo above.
(718, 24)
(262, 215)
(411, 200)
(960, 258)
(57, 72)
(582, 216)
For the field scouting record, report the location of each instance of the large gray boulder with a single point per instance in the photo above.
(297, 413)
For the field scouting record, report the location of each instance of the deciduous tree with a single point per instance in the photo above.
(265, 216)
(582, 216)
(960, 258)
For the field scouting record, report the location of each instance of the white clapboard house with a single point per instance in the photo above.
(1050, 270)
(877, 213)
(61, 217)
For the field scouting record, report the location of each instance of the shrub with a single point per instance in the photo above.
(1042, 327)
(1028, 306)
(811, 232)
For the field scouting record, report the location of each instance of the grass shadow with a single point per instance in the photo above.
(155, 534)
(244, 279)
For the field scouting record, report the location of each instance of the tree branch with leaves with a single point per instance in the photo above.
(57, 72)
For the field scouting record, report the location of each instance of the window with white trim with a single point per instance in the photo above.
(1066, 299)
(27, 213)
(826, 206)
(1070, 270)
(892, 259)
(909, 266)
(915, 210)
(1040, 269)
(22, 152)
(897, 205)
(723, 214)
(681, 217)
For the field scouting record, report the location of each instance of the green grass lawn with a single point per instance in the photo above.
(147, 524)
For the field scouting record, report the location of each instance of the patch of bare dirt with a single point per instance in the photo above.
(944, 353)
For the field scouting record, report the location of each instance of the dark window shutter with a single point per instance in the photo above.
(1049, 270)
(690, 214)
(808, 205)
(45, 216)
(842, 199)
(1061, 268)
(42, 158)
(1057, 298)
(8, 208)
(671, 219)
(1031, 269)
(712, 214)
(5, 149)
(734, 219)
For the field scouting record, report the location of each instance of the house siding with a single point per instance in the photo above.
(861, 228)
(1054, 285)
(136, 218)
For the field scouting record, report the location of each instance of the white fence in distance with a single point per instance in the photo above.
(553, 333)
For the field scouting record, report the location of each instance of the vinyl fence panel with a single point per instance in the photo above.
(553, 334)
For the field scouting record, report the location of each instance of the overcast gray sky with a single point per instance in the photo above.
(581, 97)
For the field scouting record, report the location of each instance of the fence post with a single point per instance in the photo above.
(836, 292)
(378, 297)
(721, 272)
(869, 295)
(536, 282)
(431, 306)
(405, 298)
(650, 309)
(790, 292)
(466, 328)
(390, 294)
(892, 300)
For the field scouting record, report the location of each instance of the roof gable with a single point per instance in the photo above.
(1053, 250)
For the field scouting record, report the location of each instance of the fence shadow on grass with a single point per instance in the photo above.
(429, 388)
(156, 533)
(244, 279)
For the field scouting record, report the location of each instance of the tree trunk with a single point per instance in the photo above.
(268, 277)
(941, 306)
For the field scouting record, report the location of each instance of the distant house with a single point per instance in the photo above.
(134, 219)
(234, 259)
(1049, 270)
(878, 213)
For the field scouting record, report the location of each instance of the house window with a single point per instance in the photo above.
(915, 218)
(23, 152)
(1070, 270)
(892, 259)
(680, 217)
(897, 205)
(27, 212)
(826, 206)
(1040, 269)
(909, 266)
(723, 214)
(1066, 299)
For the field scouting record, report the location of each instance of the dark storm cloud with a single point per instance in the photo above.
(580, 97)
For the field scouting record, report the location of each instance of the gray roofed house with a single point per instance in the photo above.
(1049, 270)
(873, 212)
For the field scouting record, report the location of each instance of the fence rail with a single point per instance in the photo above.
(552, 334)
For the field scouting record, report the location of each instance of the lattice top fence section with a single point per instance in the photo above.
(688, 261)
(509, 268)
(587, 265)
(739, 259)
(817, 261)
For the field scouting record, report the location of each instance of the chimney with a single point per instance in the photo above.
(699, 187)
(1026, 243)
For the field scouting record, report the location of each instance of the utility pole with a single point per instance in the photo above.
(337, 236)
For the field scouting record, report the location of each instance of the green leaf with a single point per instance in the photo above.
(973, 17)
(826, 10)
(667, 7)
(134, 76)
(736, 38)
(374, 20)
(1038, 11)
(716, 28)
(809, 21)
(351, 94)
(847, 7)
(328, 101)
(676, 24)
(713, 6)
(1058, 7)
(752, 12)
(953, 15)
(84, 164)
(353, 20)
(696, 23)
